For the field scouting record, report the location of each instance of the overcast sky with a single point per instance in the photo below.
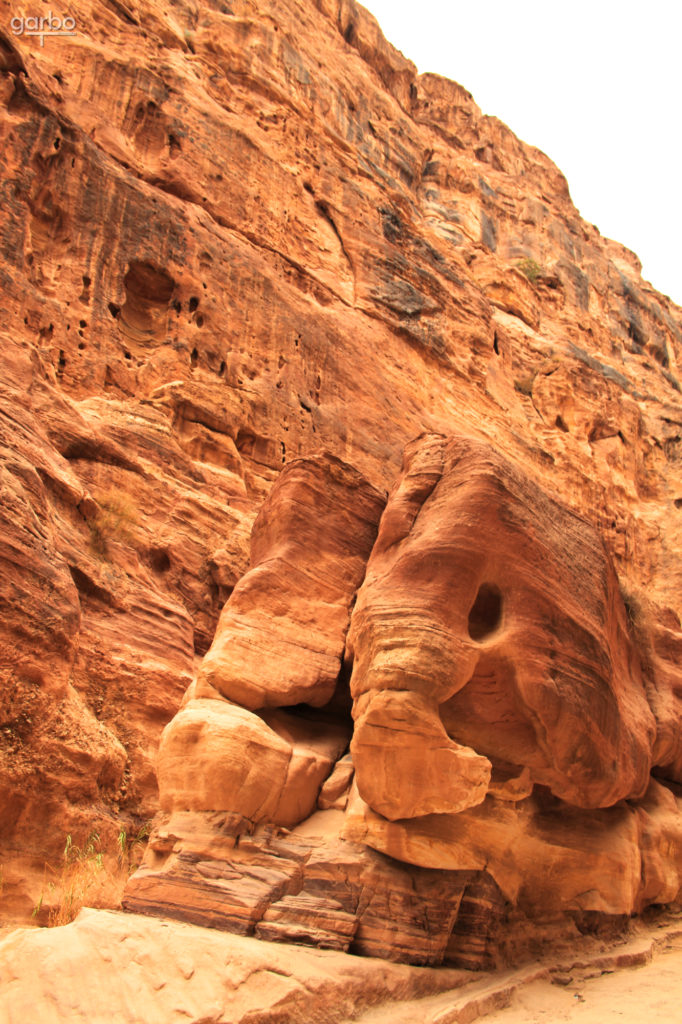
(596, 85)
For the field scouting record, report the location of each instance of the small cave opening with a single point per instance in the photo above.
(486, 612)
(160, 560)
(332, 721)
(148, 294)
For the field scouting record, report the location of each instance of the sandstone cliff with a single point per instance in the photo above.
(235, 236)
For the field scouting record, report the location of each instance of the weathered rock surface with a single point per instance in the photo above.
(309, 888)
(281, 636)
(169, 971)
(108, 966)
(491, 615)
(215, 756)
(232, 237)
(544, 855)
(279, 643)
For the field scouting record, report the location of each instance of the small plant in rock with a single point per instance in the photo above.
(130, 847)
(530, 269)
(524, 385)
(115, 518)
(633, 606)
(73, 883)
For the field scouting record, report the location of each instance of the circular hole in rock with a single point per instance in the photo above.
(486, 612)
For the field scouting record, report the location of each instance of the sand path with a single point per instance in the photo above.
(649, 994)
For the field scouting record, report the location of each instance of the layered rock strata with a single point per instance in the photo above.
(502, 738)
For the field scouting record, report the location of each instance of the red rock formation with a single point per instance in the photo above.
(280, 638)
(279, 643)
(232, 237)
(491, 614)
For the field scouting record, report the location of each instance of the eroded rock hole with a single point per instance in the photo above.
(193, 303)
(159, 559)
(148, 294)
(486, 612)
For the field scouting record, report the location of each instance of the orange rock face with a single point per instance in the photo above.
(502, 734)
(279, 643)
(233, 237)
(492, 617)
(280, 638)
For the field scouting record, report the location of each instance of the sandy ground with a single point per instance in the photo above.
(651, 994)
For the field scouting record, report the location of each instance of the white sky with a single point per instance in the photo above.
(596, 85)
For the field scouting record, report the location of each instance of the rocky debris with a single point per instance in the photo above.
(335, 791)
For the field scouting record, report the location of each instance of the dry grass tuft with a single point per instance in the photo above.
(115, 519)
